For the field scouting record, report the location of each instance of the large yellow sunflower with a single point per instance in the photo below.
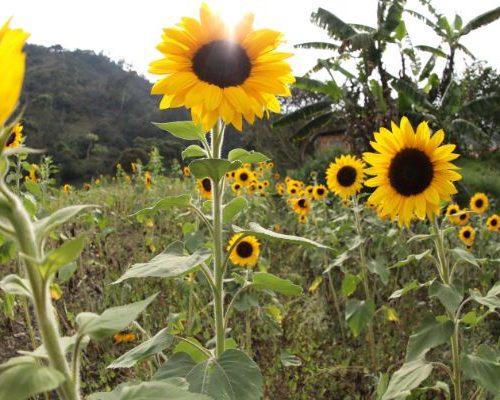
(412, 171)
(246, 252)
(12, 65)
(479, 203)
(221, 73)
(345, 176)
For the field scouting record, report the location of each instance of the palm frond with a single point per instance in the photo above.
(450, 103)
(428, 68)
(433, 50)
(335, 27)
(329, 88)
(317, 123)
(416, 96)
(302, 113)
(393, 17)
(317, 46)
(482, 106)
(481, 20)
(466, 50)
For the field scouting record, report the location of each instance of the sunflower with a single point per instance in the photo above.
(186, 172)
(371, 205)
(320, 192)
(451, 212)
(301, 205)
(467, 234)
(147, 180)
(124, 337)
(302, 218)
(412, 171)
(16, 137)
(245, 251)
(463, 217)
(67, 188)
(244, 176)
(86, 187)
(493, 223)
(205, 187)
(133, 167)
(479, 203)
(345, 176)
(33, 174)
(280, 189)
(12, 65)
(309, 190)
(236, 187)
(219, 73)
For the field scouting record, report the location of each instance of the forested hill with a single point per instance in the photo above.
(88, 112)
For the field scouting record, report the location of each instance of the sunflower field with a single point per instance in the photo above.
(230, 276)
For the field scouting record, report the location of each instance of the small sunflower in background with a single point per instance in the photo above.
(124, 337)
(320, 192)
(371, 205)
(451, 212)
(303, 218)
(147, 180)
(236, 187)
(186, 172)
(16, 137)
(221, 73)
(412, 171)
(244, 176)
(467, 234)
(479, 203)
(345, 176)
(67, 188)
(86, 187)
(280, 189)
(493, 223)
(301, 205)
(310, 190)
(205, 187)
(244, 251)
(463, 218)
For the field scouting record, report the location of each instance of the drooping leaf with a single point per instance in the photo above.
(358, 314)
(412, 258)
(193, 151)
(67, 344)
(483, 369)
(329, 88)
(303, 113)
(233, 208)
(23, 377)
(349, 284)
(259, 232)
(431, 333)
(464, 255)
(492, 298)
(59, 217)
(186, 130)
(246, 156)
(169, 264)
(112, 320)
(232, 376)
(150, 347)
(62, 256)
(407, 378)
(212, 168)
(481, 20)
(264, 280)
(406, 289)
(433, 50)
(14, 284)
(183, 200)
(448, 295)
(335, 27)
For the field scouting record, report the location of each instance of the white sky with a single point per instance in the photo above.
(130, 30)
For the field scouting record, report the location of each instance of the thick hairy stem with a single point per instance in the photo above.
(218, 190)
(43, 308)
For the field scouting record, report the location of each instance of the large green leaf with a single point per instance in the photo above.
(212, 168)
(233, 208)
(263, 233)
(150, 347)
(358, 314)
(448, 295)
(329, 88)
(412, 258)
(154, 390)
(264, 280)
(183, 200)
(482, 106)
(407, 378)
(492, 298)
(169, 264)
(47, 224)
(232, 376)
(193, 151)
(481, 20)
(431, 333)
(193, 348)
(111, 320)
(246, 156)
(62, 256)
(349, 284)
(67, 344)
(483, 368)
(186, 130)
(23, 377)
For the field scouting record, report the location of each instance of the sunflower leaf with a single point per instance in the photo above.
(193, 151)
(186, 130)
(184, 200)
(246, 156)
(264, 280)
(212, 168)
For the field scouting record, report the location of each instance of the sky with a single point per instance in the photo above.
(129, 30)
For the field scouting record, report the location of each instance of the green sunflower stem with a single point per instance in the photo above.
(44, 312)
(366, 286)
(444, 272)
(218, 192)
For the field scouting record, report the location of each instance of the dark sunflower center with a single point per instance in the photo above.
(222, 63)
(346, 176)
(494, 222)
(207, 185)
(410, 172)
(11, 139)
(244, 176)
(302, 203)
(244, 249)
(321, 191)
(453, 211)
(467, 234)
(479, 203)
(463, 216)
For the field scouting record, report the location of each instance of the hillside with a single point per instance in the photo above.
(70, 94)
